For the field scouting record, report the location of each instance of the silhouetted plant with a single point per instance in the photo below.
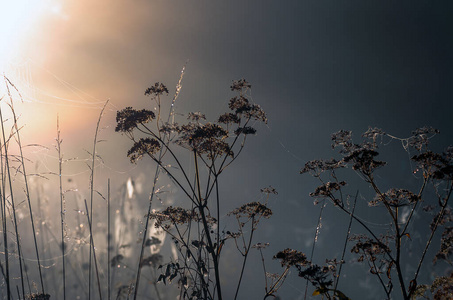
(195, 229)
(382, 251)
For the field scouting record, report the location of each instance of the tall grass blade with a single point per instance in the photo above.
(94, 251)
(62, 212)
(4, 226)
(315, 240)
(93, 160)
(27, 192)
(109, 239)
(8, 172)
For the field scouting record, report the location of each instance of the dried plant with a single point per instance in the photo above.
(195, 229)
(383, 250)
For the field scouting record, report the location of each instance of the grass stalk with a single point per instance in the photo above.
(94, 250)
(109, 240)
(62, 209)
(315, 239)
(27, 192)
(4, 225)
(93, 160)
(8, 171)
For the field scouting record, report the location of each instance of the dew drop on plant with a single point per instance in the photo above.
(130, 188)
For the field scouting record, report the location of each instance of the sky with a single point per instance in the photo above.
(315, 67)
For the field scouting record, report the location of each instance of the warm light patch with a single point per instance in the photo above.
(16, 19)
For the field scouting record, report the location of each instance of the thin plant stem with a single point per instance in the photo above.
(109, 239)
(12, 198)
(145, 233)
(245, 259)
(93, 160)
(62, 209)
(94, 250)
(315, 239)
(201, 208)
(277, 284)
(264, 269)
(346, 241)
(27, 193)
(4, 225)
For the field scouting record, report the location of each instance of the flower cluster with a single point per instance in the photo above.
(156, 90)
(325, 190)
(368, 248)
(240, 85)
(317, 275)
(395, 197)
(128, 118)
(362, 159)
(38, 296)
(260, 245)
(342, 138)
(439, 166)
(245, 130)
(317, 166)
(442, 287)
(196, 116)
(168, 128)
(177, 215)
(373, 134)
(269, 190)
(229, 118)
(332, 264)
(290, 257)
(420, 137)
(206, 138)
(174, 215)
(446, 245)
(360, 156)
(442, 218)
(448, 154)
(144, 146)
(251, 210)
(241, 105)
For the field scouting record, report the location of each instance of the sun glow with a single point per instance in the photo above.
(17, 18)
